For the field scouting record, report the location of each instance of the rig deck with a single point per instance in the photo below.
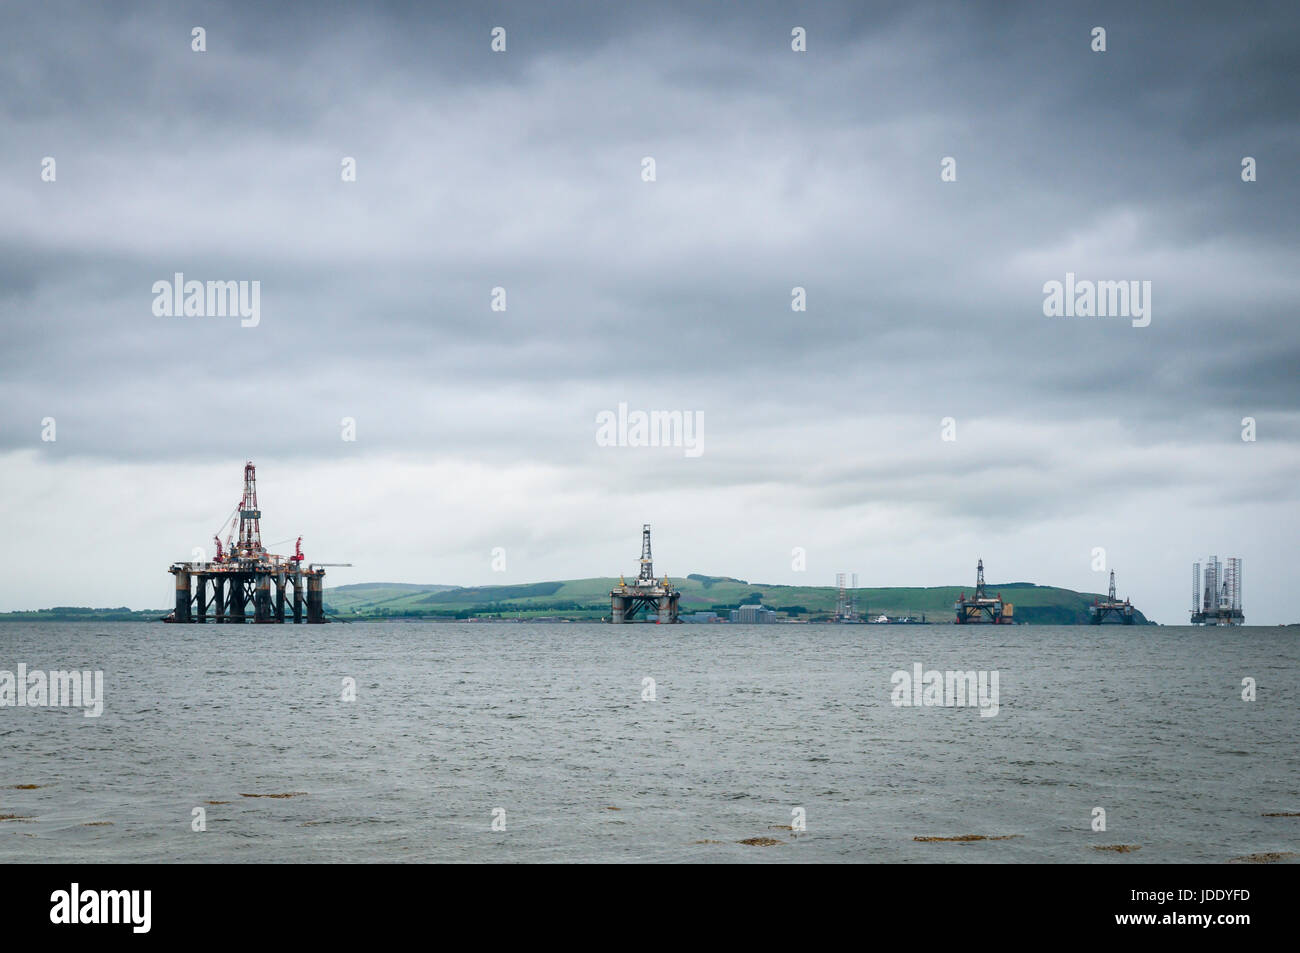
(236, 584)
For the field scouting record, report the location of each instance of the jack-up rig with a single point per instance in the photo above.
(982, 609)
(244, 572)
(652, 595)
(1099, 611)
(1221, 604)
(846, 603)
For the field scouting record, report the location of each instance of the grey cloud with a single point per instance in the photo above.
(775, 170)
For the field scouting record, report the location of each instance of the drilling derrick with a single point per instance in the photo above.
(982, 609)
(1100, 611)
(657, 596)
(250, 529)
(647, 573)
(244, 574)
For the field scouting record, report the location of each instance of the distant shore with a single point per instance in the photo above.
(79, 614)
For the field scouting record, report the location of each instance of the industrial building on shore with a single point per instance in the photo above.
(753, 615)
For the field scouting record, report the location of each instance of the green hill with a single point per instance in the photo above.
(589, 599)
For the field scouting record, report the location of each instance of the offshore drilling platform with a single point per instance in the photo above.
(1098, 612)
(981, 608)
(1221, 602)
(648, 593)
(244, 573)
(846, 603)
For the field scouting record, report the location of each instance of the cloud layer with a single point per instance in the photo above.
(775, 169)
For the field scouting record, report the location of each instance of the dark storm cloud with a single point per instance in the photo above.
(775, 170)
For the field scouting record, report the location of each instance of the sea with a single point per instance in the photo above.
(532, 742)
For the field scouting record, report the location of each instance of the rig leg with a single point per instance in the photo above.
(262, 598)
(201, 604)
(238, 598)
(182, 595)
(315, 600)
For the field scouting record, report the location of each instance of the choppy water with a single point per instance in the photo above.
(548, 722)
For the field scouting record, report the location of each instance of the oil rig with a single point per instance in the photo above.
(244, 573)
(1221, 602)
(652, 595)
(846, 603)
(1098, 612)
(982, 609)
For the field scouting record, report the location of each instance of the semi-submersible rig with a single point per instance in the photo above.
(982, 608)
(1111, 608)
(243, 573)
(645, 594)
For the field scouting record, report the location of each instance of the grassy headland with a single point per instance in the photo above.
(589, 599)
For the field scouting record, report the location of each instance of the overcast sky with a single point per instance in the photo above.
(774, 169)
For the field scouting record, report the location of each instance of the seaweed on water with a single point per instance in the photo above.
(1118, 848)
(965, 838)
(289, 794)
(1268, 857)
(760, 842)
